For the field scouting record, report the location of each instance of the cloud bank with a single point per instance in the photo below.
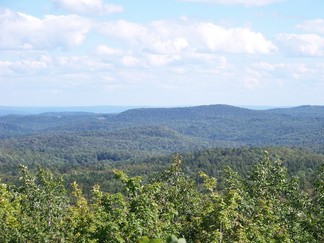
(166, 37)
(302, 44)
(73, 51)
(23, 31)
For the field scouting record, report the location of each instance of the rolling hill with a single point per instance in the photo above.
(86, 146)
(183, 128)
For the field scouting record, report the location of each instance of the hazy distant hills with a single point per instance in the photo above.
(168, 129)
(304, 111)
(7, 110)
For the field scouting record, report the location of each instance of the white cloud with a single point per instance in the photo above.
(292, 73)
(161, 59)
(315, 26)
(280, 77)
(124, 30)
(174, 45)
(22, 31)
(144, 59)
(5, 68)
(130, 61)
(302, 45)
(105, 50)
(177, 43)
(88, 6)
(53, 66)
(26, 66)
(174, 37)
(237, 2)
(77, 64)
(235, 40)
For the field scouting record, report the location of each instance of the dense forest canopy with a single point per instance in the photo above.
(218, 160)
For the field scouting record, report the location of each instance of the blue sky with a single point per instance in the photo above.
(161, 53)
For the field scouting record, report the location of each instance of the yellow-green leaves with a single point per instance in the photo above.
(266, 206)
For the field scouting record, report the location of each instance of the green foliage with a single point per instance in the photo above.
(174, 239)
(10, 210)
(318, 202)
(80, 218)
(256, 198)
(145, 239)
(46, 203)
(265, 206)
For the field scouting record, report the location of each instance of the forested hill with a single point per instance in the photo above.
(304, 111)
(201, 126)
(85, 148)
(184, 113)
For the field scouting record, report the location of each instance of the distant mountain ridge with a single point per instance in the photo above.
(305, 110)
(10, 110)
(183, 112)
(180, 127)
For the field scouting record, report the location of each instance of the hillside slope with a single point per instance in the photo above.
(184, 128)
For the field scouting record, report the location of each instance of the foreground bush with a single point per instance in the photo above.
(268, 206)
